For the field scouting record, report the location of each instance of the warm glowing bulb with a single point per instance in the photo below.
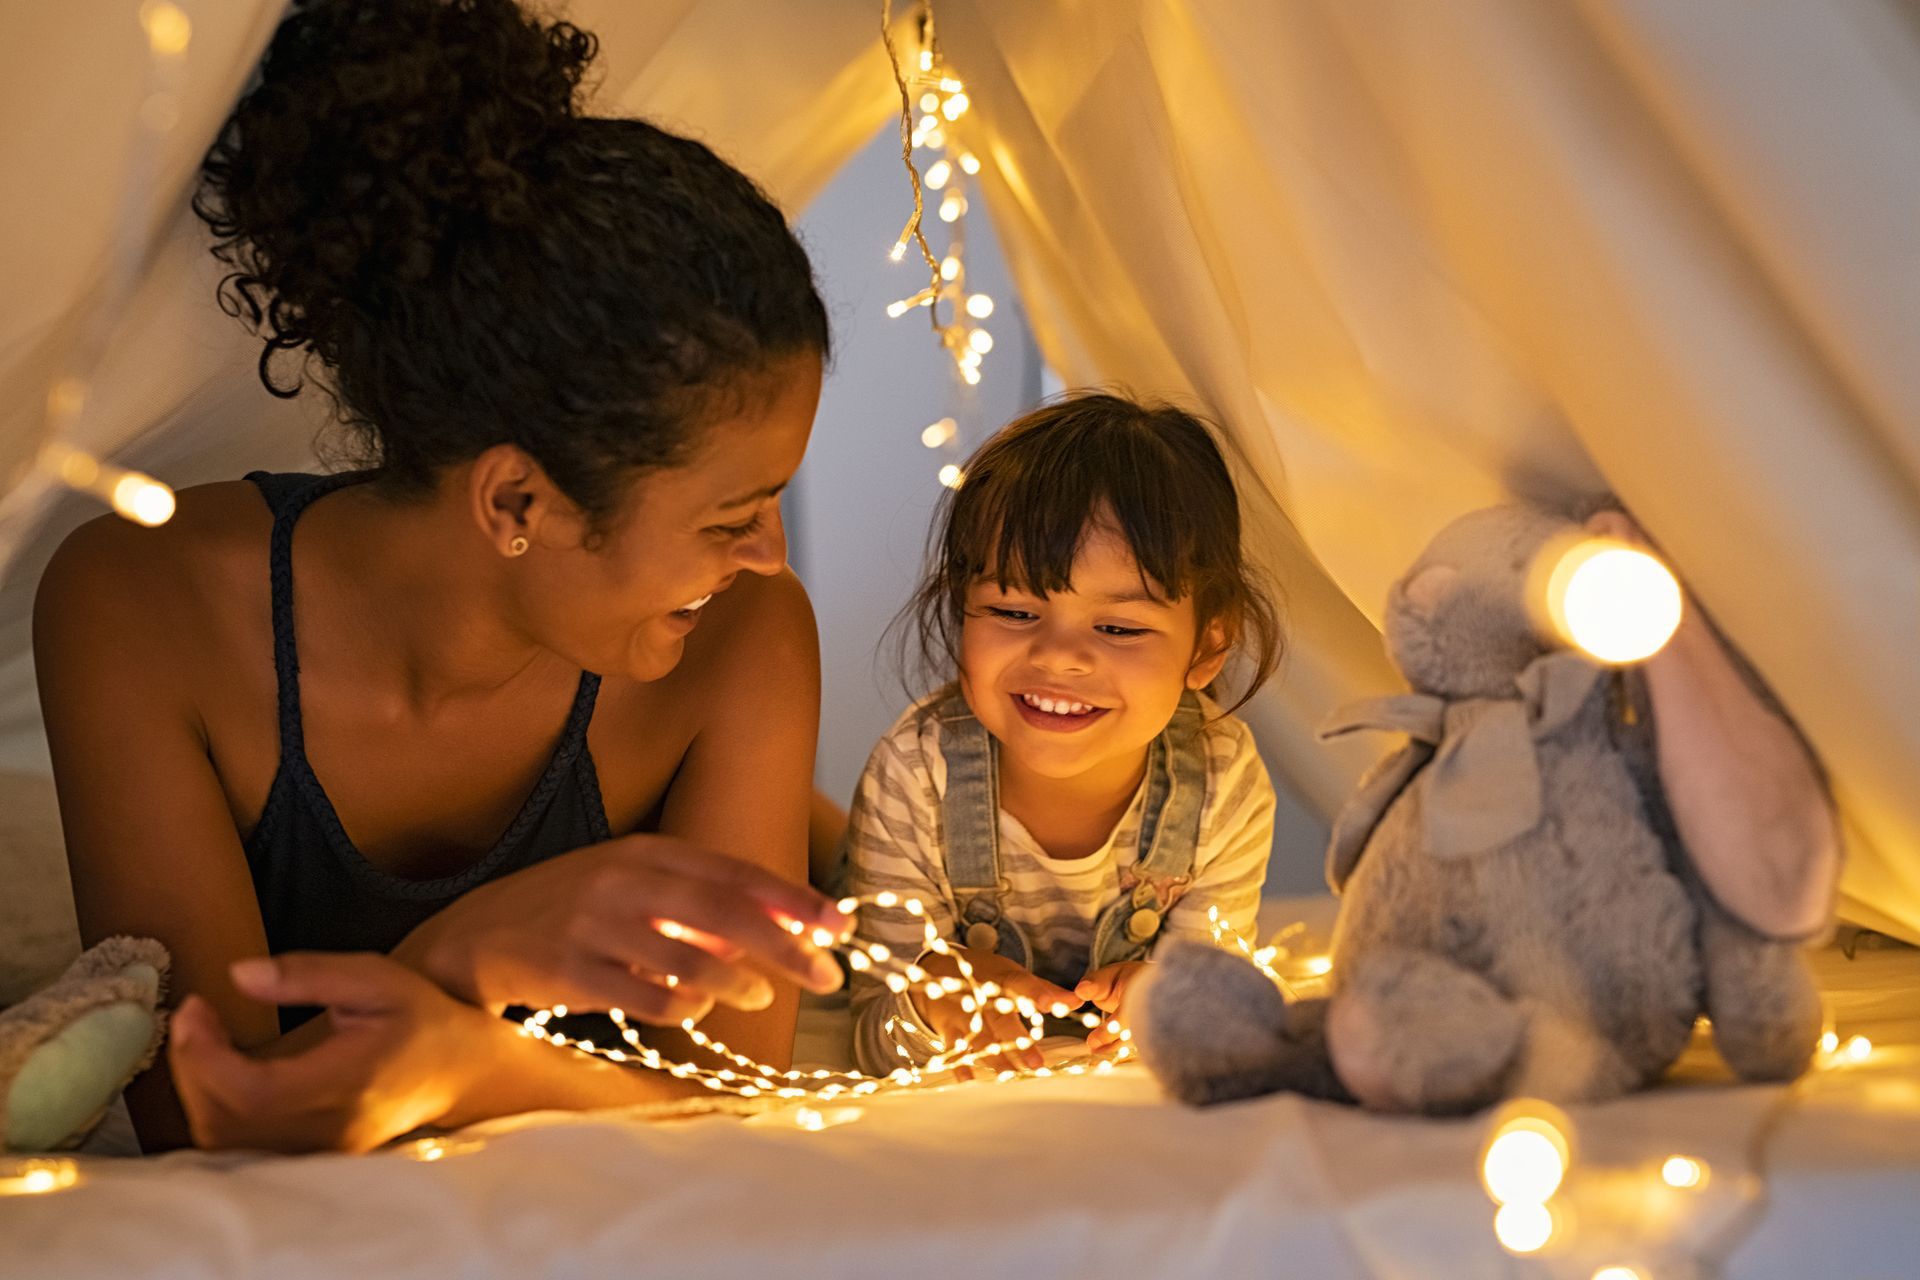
(1616, 603)
(979, 306)
(1829, 1042)
(949, 267)
(952, 207)
(939, 433)
(1859, 1048)
(1617, 1273)
(937, 174)
(980, 340)
(969, 162)
(1681, 1172)
(898, 251)
(143, 500)
(926, 60)
(951, 476)
(929, 102)
(934, 138)
(1319, 966)
(970, 374)
(956, 106)
(168, 29)
(1523, 1227)
(1524, 1164)
(38, 1176)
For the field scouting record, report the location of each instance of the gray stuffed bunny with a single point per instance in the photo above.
(1521, 915)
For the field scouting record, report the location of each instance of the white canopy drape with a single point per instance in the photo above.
(1413, 257)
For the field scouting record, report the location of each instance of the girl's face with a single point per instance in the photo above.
(625, 605)
(1083, 678)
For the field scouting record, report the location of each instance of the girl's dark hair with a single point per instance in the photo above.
(409, 193)
(1032, 493)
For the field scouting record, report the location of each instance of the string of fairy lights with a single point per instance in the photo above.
(932, 102)
(747, 1078)
(137, 497)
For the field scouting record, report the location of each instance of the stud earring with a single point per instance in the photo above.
(519, 545)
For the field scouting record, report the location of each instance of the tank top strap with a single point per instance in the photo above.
(288, 495)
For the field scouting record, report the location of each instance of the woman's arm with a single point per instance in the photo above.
(746, 783)
(150, 840)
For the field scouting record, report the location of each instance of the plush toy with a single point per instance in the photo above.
(1540, 888)
(67, 1050)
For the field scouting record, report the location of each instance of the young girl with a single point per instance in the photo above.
(1073, 796)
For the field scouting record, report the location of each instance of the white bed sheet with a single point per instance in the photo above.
(1088, 1176)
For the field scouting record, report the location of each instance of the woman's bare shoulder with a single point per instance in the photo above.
(187, 580)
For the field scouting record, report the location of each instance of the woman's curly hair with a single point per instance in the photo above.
(410, 193)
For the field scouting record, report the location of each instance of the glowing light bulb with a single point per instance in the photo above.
(952, 207)
(1523, 1227)
(949, 267)
(37, 1177)
(949, 85)
(937, 175)
(168, 29)
(979, 306)
(1682, 1172)
(980, 340)
(143, 499)
(898, 251)
(1616, 603)
(970, 374)
(1523, 1165)
(1829, 1042)
(955, 106)
(1318, 966)
(929, 102)
(935, 138)
(1858, 1048)
(926, 60)
(1617, 1273)
(951, 476)
(939, 433)
(969, 162)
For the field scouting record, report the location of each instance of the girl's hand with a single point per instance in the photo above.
(1107, 989)
(390, 1059)
(948, 1022)
(650, 924)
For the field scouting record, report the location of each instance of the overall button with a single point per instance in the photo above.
(1143, 924)
(982, 936)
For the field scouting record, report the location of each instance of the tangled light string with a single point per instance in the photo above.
(932, 100)
(749, 1078)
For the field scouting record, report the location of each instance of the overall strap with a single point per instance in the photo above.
(970, 817)
(1169, 839)
(287, 496)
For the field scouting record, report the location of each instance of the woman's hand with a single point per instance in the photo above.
(653, 925)
(949, 1022)
(389, 1061)
(1107, 990)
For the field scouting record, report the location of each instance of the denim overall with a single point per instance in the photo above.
(1169, 835)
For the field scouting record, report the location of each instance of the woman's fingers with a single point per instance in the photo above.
(350, 983)
(699, 912)
(782, 897)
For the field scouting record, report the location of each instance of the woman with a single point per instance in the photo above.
(351, 721)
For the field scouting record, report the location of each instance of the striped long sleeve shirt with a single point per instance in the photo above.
(893, 842)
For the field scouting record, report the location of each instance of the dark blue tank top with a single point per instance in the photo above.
(316, 891)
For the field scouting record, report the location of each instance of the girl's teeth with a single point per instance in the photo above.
(1056, 707)
(689, 608)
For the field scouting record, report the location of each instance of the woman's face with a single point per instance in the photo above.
(625, 604)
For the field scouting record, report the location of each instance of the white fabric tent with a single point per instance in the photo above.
(1413, 257)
